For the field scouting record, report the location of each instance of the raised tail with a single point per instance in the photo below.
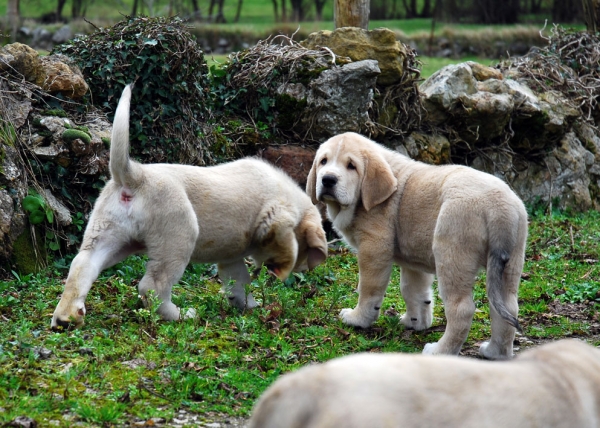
(122, 169)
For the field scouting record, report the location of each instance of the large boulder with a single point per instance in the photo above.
(56, 74)
(22, 59)
(13, 188)
(63, 77)
(379, 44)
(482, 106)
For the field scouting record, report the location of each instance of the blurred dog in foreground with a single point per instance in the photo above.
(178, 213)
(556, 385)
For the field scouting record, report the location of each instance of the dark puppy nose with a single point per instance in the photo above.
(329, 181)
(62, 325)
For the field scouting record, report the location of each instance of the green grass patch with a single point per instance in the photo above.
(125, 365)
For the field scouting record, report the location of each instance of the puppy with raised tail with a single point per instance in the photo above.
(178, 213)
(554, 386)
(448, 221)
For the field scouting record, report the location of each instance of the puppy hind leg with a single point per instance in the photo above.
(160, 276)
(235, 276)
(415, 287)
(455, 283)
(500, 345)
(459, 309)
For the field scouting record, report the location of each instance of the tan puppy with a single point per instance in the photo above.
(555, 385)
(177, 214)
(445, 220)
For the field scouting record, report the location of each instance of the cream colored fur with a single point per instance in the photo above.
(448, 221)
(553, 386)
(177, 214)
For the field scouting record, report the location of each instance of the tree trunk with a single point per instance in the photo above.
(238, 11)
(76, 7)
(220, 15)
(59, 9)
(426, 11)
(297, 11)
(210, 9)
(351, 13)
(276, 10)
(13, 19)
(134, 8)
(197, 13)
(319, 4)
(591, 15)
(564, 12)
(495, 12)
(283, 11)
(446, 11)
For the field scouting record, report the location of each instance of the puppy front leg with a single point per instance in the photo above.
(235, 276)
(374, 276)
(95, 256)
(84, 270)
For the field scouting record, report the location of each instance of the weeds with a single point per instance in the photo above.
(125, 365)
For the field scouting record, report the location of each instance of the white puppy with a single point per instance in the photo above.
(554, 386)
(177, 214)
(446, 220)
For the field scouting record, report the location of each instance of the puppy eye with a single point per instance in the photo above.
(351, 165)
(323, 161)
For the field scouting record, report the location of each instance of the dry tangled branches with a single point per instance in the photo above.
(399, 110)
(258, 66)
(568, 65)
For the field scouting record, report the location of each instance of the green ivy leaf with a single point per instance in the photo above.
(32, 203)
(36, 217)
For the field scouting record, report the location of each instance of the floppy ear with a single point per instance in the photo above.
(311, 182)
(315, 239)
(378, 182)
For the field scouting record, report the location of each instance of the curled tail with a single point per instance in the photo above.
(124, 171)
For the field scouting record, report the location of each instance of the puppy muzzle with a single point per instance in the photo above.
(327, 189)
(329, 181)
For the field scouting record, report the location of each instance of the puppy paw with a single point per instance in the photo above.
(417, 323)
(243, 302)
(189, 313)
(251, 303)
(491, 352)
(430, 348)
(354, 318)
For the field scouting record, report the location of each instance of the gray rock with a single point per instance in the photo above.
(62, 35)
(341, 98)
(63, 216)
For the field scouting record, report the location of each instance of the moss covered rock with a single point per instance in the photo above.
(379, 44)
(28, 255)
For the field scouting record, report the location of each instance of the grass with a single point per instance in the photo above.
(124, 365)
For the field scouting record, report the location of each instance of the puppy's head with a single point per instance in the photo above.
(290, 240)
(348, 168)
